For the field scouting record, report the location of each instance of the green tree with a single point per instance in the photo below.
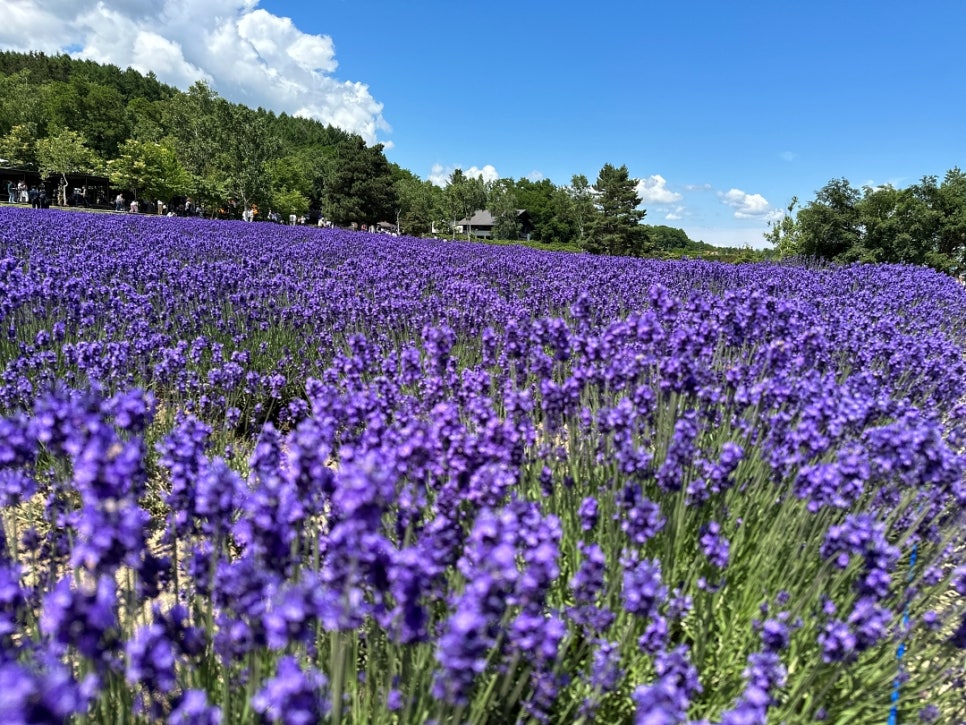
(419, 204)
(359, 185)
(20, 103)
(582, 209)
(921, 224)
(287, 201)
(463, 197)
(885, 234)
(145, 119)
(290, 180)
(66, 153)
(829, 226)
(783, 233)
(193, 129)
(559, 226)
(537, 197)
(667, 239)
(19, 146)
(502, 204)
(150, 168)
(247, 146)
(617, 228)
(101, 117)
(951, 205)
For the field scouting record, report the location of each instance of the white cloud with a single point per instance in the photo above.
(748, 206)
(675, 214)
(440, 174)
(535, 176)
(653, 190)
(788, 156)
(487, 173)
(245, 53)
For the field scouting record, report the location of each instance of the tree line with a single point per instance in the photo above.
(60, 115)
(922, 224)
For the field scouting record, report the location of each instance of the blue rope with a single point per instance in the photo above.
(894, 710)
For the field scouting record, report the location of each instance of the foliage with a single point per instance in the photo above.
(251, 472)
(581, 208)
(502, 204)
(616, 228)
(152, 168)
(547, 209)
(420, 205)
(463, 196)
(97, 112)
(782, 234)
(246, 150)
(193, 129)
(65, 153)
(922, 224)
(665, 238)
(359, 186)
(18, 147)
(20, 105)
(287, 201)
(289, 179)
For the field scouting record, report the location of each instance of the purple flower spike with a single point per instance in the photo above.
(294, 696)
(588, 513)
(713, 545)
(193, 709)
(643, 590)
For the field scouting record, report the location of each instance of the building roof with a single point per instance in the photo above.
(483, 218)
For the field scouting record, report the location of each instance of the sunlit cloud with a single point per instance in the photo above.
(440, 175)
(653, 190)
(748, 206)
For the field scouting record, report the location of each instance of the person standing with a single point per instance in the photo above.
(11, 193)
(119, 202)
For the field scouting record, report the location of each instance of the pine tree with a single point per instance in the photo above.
(616, 229)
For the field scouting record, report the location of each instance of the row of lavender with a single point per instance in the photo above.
(285, 474)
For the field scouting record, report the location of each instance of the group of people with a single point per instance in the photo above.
(20, 193)
(273, 216)
(186, 208)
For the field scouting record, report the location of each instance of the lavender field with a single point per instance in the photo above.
(253, 473)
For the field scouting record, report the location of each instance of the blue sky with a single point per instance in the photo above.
(724, 110)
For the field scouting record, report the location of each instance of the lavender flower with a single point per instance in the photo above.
(588, 513)
(639, 517)
(605, 672)
(82, 618)
(151, 660)
(294, 696)
(193, 709)
(714, 546)
(643, 589)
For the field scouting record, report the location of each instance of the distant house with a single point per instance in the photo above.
(481, 224)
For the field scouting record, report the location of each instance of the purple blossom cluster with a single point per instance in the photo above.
(319, 471)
